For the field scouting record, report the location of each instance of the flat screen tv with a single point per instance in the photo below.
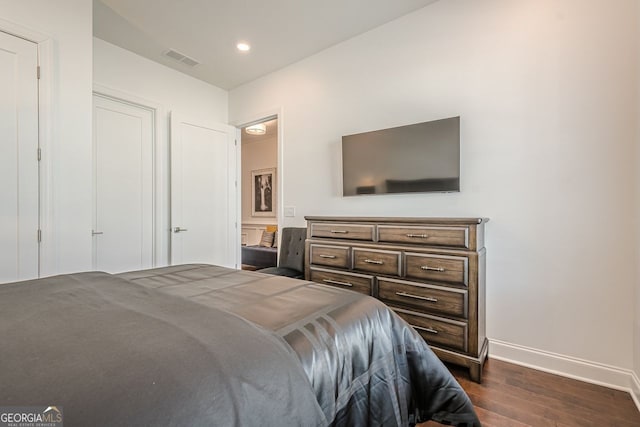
(417, 158)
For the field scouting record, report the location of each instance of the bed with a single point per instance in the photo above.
(206, 345)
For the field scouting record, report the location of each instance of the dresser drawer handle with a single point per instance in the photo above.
(426, 267)
(340, 231)
(335, 282)
(328, 256)
(373, 261)
(418, 236)
(420, 328)
(404, 294)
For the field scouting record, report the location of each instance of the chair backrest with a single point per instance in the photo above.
(292, 248)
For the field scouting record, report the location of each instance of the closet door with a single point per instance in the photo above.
(123, 140)
(204, 208)
(19, 217)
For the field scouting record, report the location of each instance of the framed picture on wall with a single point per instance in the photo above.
(263, 192)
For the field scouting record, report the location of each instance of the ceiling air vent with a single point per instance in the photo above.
(174, 54)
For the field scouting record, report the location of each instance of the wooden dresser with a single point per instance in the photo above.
(431, 271)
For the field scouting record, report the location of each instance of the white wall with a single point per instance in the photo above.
(131, 73)
(141, 80)
(548, 128)
(67, 26)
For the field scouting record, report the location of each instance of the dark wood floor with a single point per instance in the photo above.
(514, 396)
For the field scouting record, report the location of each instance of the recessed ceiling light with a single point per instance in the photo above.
(243, 47)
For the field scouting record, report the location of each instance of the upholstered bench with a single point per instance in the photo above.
(259, 256)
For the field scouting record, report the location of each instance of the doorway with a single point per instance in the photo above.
(260, 177)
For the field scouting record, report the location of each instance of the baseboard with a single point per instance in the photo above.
(566, 366)
(635, 389)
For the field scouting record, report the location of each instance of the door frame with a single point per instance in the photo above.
(48, 262)
(160, 216)
(249, 120)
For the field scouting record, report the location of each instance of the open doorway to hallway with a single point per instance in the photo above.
(260, 176)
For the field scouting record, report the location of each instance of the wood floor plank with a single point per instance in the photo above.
(488, 419)
(515, 396)
(557, 410)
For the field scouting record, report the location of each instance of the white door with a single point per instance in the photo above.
(123, 140)
(203, 193)
(19, 217)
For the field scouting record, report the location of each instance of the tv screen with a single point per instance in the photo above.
(418, 158)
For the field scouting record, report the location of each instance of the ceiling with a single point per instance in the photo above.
(280, 32)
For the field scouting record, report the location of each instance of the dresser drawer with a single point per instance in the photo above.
(343, 231)
(356, 282)
(432, 236)
(437, 330)
(441, 268)
(429, 298)
(377, 261)
(334, 256)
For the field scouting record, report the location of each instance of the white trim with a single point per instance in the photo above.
(238, 193)
(635, 389)
(23, 32)
(160, 166)
(48, 263)
(567, 366)
(126, 96)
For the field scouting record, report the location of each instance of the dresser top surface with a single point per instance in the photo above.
(399, 220)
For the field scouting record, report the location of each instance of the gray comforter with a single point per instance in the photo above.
(205, 345)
